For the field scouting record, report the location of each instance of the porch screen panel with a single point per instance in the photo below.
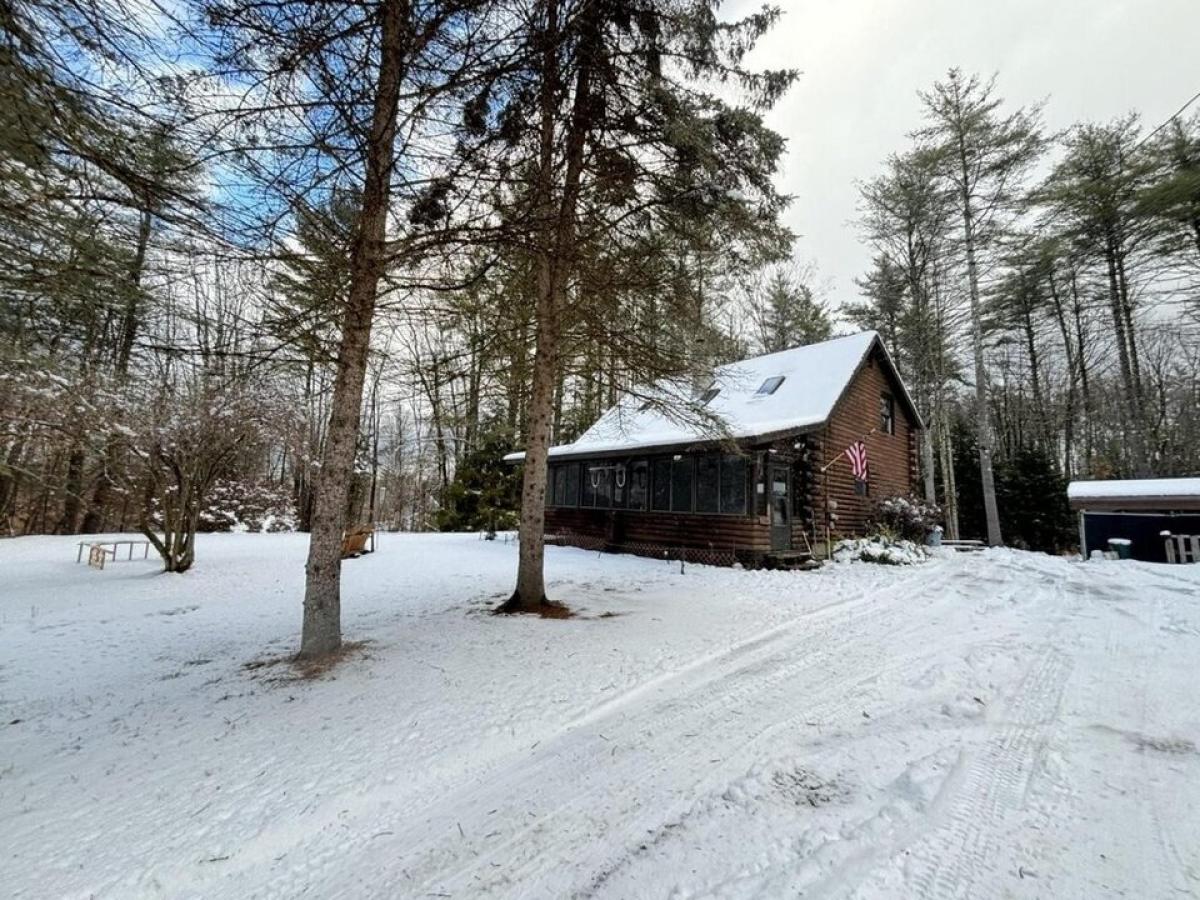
(661, 485)
(588, 492)
(572, 481)
(619, 478)
(681, 485)
(639, 478)
(560, 485)
(708, 484)
(733, 484)
(603, 476)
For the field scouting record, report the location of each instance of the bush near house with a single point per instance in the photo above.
(905, 518)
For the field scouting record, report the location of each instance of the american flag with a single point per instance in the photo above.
(857, 454)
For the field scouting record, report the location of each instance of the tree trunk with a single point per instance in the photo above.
(72, 488)
(1085, 388)
(9, 483)
(1060, 316)
(1129, 380)
(1045, 438)
(1130, 328)
(555, 256)
(949, 485)
(322, 630)
(983, 422)
(530, 592)
(93, 521)
(927, 464)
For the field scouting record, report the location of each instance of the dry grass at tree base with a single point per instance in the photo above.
(309, 669)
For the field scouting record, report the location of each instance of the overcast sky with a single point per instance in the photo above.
(862, 62)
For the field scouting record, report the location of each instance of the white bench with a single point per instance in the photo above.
(100, 552)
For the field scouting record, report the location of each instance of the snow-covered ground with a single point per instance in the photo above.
(995, 725)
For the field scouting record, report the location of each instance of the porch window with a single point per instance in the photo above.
(619, 477)
(708, 484)
(589, 488)
(681, 484)
(661, 486)
(733, 484)
(559, 474)
(572, 489)
(600, 477)
(639, 478)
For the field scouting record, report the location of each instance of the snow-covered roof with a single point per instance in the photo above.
(1142, 492)
(814, 378)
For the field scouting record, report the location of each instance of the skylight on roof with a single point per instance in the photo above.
(709, 395)
(770, 386)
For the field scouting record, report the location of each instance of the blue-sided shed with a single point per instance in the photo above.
(1159, 516)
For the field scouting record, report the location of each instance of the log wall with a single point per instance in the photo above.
(641, 531)
(892, 458)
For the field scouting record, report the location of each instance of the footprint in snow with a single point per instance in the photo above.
(176, 611)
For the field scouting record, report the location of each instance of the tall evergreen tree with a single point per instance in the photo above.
(352, 100)
(906, 216)
(983, 155)
(1093, 196)
(788, 314)
(612, 103)
(1174, 198)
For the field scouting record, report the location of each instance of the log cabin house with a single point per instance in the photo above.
(773, 489)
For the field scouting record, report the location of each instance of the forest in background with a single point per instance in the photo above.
(184, 247)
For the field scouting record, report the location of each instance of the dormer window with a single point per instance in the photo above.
(770, 386)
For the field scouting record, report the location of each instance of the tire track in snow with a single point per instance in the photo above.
(772, 681)
(949, 862)
(1170, 860)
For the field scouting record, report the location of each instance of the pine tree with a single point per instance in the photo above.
(983, 156)
(906, 216)
(349, 92)
(483, 494)
(787, 314)
(610, 103)
(1174, 198)
(1093, 197)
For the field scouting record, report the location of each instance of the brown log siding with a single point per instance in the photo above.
(670, 530)
(892, 458)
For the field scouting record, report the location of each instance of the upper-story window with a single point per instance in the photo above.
(771, 385)
(887, 414)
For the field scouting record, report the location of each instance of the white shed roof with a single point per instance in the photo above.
(814, 378)
(1146, 489)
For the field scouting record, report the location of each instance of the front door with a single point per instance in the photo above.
(781, 507)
